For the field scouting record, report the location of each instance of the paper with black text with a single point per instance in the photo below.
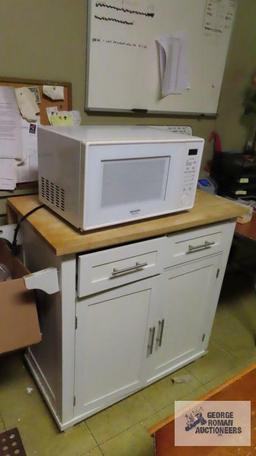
(27, 170)
(8, 173)
(10, 133)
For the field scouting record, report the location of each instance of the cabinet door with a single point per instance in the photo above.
(111, 341)
(189, 299)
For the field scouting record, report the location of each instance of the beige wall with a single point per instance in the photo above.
(45, 39)
(241, 64)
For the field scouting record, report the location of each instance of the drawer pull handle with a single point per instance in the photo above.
(198, 248)
(159, 337)
(151, 336)
(135, 268)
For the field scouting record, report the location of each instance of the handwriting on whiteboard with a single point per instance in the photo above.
(124, 10)
(219, 16)
(114, 19)
(120, 43)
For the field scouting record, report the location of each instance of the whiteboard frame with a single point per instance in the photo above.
(142, 112)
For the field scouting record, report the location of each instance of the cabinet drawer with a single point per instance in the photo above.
(192, 245)
(111, 268)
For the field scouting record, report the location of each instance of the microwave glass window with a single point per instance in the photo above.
(134, 180)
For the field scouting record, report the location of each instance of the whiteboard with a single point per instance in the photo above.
(128, 70)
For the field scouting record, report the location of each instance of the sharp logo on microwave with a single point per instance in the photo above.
(135, 211)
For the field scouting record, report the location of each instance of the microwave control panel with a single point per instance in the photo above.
(190, 175)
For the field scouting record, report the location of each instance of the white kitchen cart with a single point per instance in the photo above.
(136, 302)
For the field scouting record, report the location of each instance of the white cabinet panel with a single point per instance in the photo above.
(188, 300)
(111, 343)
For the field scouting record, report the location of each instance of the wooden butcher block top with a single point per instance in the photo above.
(64, 239)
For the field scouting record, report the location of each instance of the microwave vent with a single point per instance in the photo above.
(53, 193)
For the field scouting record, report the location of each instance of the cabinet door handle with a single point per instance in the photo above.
(151, 336)
(129, 269)
(158, 333)
(198, 248)
(161, 333)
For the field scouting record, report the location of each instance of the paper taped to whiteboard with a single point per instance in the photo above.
(173, 64)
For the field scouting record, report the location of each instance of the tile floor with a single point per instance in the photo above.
(122, 430)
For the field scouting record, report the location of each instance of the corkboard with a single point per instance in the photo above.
(63, 105)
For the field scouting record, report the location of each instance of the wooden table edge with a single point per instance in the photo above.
(153, 429)
(121, 234)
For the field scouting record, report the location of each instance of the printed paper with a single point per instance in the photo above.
(173, 64)
(27, 170)
(10, 135)
(8, 174)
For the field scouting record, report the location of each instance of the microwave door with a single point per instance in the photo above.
(128, 186)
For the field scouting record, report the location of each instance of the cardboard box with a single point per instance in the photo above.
(19, 325)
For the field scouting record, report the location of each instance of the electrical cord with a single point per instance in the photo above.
(16, 231)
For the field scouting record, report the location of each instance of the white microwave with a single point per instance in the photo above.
(96, 176)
